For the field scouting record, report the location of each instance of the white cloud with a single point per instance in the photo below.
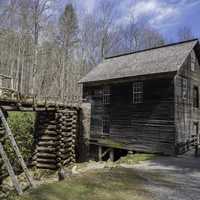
(88, 5)
(157, 11)
(143, 8)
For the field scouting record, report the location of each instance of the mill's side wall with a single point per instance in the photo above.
(185, 112)
(147, 127)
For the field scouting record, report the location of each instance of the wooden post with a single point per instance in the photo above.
(12, 83)
(10, 170)
(84, 131)
(111, 155)
(15, 147)
(12, 87)
(1, 85)
(197, 146)
(100, 153)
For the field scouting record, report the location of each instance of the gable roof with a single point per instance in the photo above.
(167, 58)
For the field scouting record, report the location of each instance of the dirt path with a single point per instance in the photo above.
(164, 178)
(171, 178)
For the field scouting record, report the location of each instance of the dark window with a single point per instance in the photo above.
(195, 128)
(106, 95)
(96, 127)
(195, 97)
(195, 133)
(184, 88)
(193, 59)
(97, 93)
(106, 125)
(137, 92)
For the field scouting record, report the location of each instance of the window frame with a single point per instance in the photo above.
(195, 98)
(106, 95)
(138, 92)
(184, 88)
(96, 126)
(106, 125)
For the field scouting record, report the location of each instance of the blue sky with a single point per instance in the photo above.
(167, 16)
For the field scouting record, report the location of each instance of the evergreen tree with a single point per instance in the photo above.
(68, 28)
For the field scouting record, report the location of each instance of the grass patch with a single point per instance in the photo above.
(107, 184)
(22, 127)
(135, 158)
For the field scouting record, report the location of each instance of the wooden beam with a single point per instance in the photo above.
(8, 89)
(5, 76)
(24, 108)
(105, 152)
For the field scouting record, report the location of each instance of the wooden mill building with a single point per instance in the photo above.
(146, 101)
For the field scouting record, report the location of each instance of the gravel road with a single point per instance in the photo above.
(172, 178)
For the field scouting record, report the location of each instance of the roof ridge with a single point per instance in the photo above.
(139, 51)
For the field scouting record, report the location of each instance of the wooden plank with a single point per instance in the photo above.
(46, 166)
(105, 152)
(5, 76)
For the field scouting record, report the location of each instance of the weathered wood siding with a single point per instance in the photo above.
(185, 113)
(148, 126)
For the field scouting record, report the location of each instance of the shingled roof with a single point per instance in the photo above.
(167, 58)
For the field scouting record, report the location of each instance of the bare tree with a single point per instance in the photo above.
(67, 39)
(150, 38)
(24, 19)
(185, 33)
(40, 14)
(47, 53)
(97, 32)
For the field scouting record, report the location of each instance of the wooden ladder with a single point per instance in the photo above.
(10, 170)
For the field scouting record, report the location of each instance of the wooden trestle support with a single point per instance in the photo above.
(55, 138)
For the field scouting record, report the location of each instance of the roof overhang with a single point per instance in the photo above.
(146, 63)
(197, 51)
(167, 75)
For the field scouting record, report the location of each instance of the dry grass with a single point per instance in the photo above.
(106, 184)
(96, 180)
(135, 158)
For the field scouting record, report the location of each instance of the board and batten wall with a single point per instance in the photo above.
(185, 112)
(146, 127)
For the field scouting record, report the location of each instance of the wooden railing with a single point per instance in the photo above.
(195, 142)
(8, 92)
(6, 88)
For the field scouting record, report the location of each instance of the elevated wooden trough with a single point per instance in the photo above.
(55, 128)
